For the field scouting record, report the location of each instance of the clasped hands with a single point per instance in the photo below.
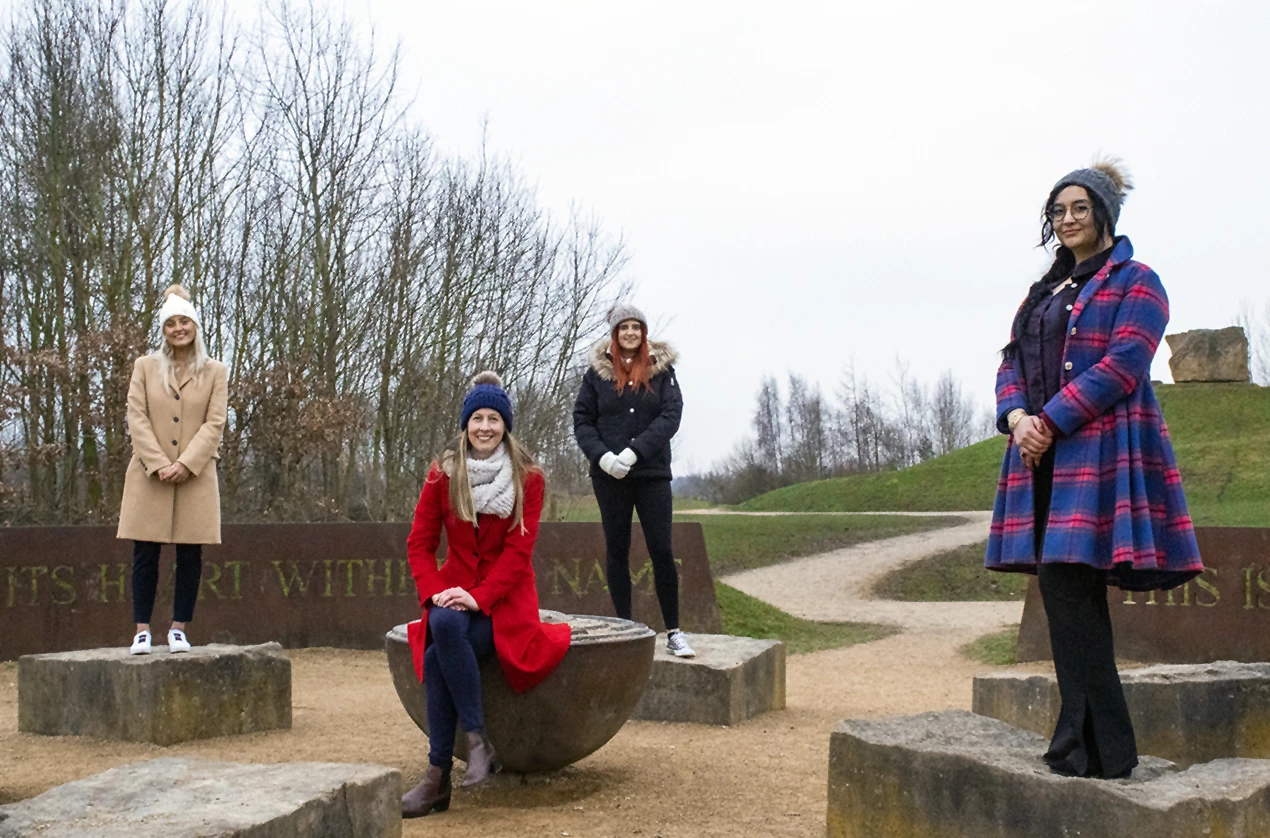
(1033, 437)
(456, 599)
(175, 473)
(618, 465)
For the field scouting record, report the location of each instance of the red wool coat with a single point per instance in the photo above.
(494, 563)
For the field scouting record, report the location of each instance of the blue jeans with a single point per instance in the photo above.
(452, 677)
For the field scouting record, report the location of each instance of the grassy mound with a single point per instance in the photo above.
(964, 479)
(956, 575)
(745, 616)
(1221, 433)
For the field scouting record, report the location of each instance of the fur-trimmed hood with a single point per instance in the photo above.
(663, 355)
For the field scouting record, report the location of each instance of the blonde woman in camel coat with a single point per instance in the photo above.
(176, 414)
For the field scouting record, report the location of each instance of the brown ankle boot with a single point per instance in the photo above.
(431, 795)
(481, 759)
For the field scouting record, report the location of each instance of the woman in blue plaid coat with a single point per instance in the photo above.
(1090, 493)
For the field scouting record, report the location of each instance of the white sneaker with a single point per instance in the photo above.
(177, 641)
(678, 646)
(140, 644)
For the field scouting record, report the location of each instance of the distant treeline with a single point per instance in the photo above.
(803, 435)
(350, 276)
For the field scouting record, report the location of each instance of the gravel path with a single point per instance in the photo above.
(837, 586)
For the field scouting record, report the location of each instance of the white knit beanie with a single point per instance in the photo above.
(176, 304)
(626, 311)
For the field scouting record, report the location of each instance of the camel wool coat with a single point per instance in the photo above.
(167, 428)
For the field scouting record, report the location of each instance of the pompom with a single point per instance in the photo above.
(1113, 168)
(178, 290)
(487, 377)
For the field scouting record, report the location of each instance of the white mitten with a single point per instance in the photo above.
(611, 464)
(628, 457)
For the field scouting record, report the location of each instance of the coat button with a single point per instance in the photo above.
(632, 410)
(174, 419)
(1069, 308)
(177, 397)
(1067, 366)
(174, 442)
(1073, 330)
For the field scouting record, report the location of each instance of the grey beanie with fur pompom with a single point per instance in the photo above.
(1106, 179)
(626, 311)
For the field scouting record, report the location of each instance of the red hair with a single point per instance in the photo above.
(641, 368)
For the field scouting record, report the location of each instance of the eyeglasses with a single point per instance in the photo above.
(1057, 212)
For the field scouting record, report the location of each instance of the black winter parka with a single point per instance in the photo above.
(605, 420)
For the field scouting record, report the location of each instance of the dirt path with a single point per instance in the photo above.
(836, 586)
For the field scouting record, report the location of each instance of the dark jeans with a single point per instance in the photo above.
(652, 500)
(145, 580)
(1094, 734)
(452, 677)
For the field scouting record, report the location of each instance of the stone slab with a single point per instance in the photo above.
(1224, 614)
(1185, 713)
(337, 584)
(576, 709)
(730, 680)
(161, 698)
(1209, 355)
(955, 774)
(194, 798)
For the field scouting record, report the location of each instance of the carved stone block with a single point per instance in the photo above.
(730, 680)
(194, 797)
(161, 698)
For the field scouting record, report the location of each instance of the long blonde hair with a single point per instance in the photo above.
(163, 355)
(454, 463)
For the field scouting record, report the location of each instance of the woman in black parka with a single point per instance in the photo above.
(627, 411)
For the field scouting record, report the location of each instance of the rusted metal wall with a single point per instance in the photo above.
(1224, 614)
(344, 585)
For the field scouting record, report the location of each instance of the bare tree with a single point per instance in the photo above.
(352, 280)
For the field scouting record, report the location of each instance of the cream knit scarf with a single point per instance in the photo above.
(491, 481)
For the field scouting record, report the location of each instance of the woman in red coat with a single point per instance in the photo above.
(486, 494)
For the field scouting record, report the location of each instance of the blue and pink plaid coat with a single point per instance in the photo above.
(1117, 502)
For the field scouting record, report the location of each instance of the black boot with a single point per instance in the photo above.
(432, 794)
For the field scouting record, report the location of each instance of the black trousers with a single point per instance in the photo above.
(145, 580)
(651, 499)
(1094, 734)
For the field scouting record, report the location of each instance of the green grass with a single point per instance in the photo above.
(993, 649)
(964, 479)
(745, 616)
(1221, 433)
(561, 507)
(742, 542)
(956, 575)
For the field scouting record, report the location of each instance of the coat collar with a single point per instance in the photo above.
(663, 355)
(1120, 253)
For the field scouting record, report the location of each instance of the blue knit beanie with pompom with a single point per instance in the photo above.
(487, 391)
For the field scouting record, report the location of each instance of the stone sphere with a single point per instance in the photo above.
(580, 706)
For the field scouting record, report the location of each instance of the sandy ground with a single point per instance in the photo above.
(764, 777)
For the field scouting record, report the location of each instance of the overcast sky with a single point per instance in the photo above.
(801, 185)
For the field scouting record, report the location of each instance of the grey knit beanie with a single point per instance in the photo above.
(1104, 179)
(626, 311)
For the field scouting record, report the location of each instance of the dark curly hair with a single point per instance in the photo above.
(1064, 264)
